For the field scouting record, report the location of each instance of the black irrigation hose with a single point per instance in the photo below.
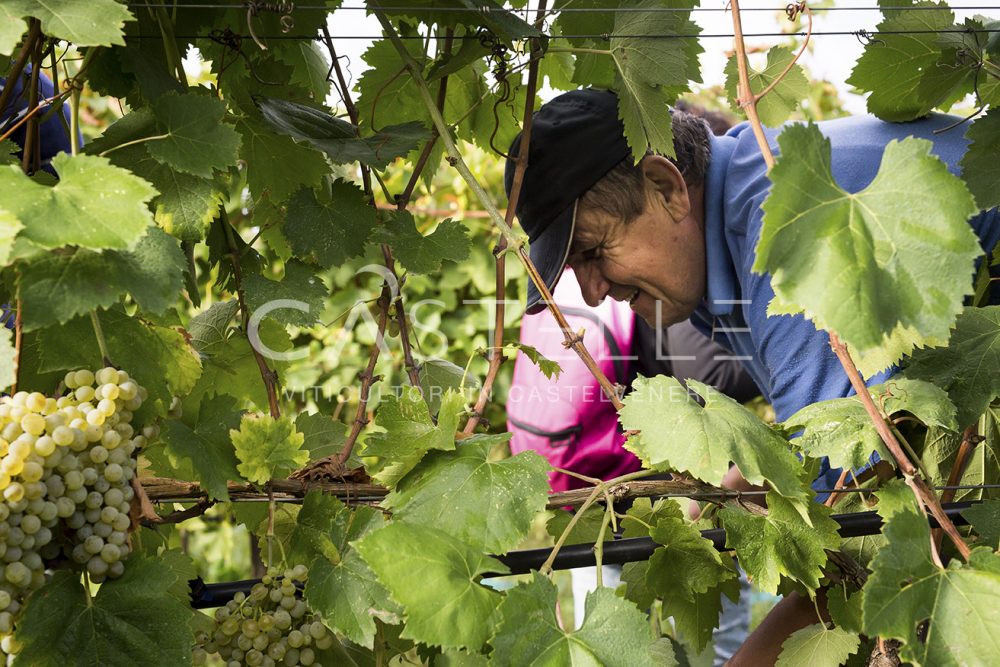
(616, 552)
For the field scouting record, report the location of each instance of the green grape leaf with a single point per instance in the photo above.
(778, 105)
(329, 233)
(980, 168)
(905, 69)
(437, 376)
(136, 619)
(845, 610)
(678, 434)
(8, 367)
(969, 368)
(267, 448)
(839, 429)
(297, 298)
(337, 138)
(159, 358)
(818, 646)
(207, 449)
(925, 401)
(323, 435)
(985, 520)
(196, 141)
(267, 156)
(450, 608)
(419, 253)
(614, 631)
(634, 578)
(653, 72)
(887, 272)
(95, 23)
(641, 518)
(232, 368)
(687, 564)
(503, 23)
(186, 204)
(906, 588)
(696, 619)
(208, 329)
(10, 226)
(410, 434)
(487, 504)
(781, 543)
(96, 204)
(586, 529)
(342, 589)
(309, 66)
(11, 30)
(55, 287)
(550, 369)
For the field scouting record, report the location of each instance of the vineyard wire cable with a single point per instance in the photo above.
(568, 10)
(616, 552)
(608, 36)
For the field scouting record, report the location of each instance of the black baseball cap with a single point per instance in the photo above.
(576, 138)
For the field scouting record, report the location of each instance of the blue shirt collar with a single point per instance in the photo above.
(721, 292)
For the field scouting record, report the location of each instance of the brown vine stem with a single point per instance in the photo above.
(27, 48)
(970, 438)
(31, 158)
(924, 494)
(496, 355)
(352, 111)
(573, 340)
(269, 377)
(913, 478)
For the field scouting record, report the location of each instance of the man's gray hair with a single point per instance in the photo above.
(622, 191)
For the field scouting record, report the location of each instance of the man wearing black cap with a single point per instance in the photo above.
(676, 237)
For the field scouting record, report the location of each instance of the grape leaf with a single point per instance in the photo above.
(818, 646)
(337, 138)
(323, 435)
(55, 287)
(419, 253)
(678, 434)
(450, 608)
(206, 450)
(10, 226)
(8, 366)
(906, 588)
(696, 619)
(208, 328)
(550, 369)
(969, 368)
(687, 564)
(908, 74)
(503, 23)
(159, 358)
(267, 448)
(410, 434)
(886, 268)
(980, 168)
(11, 30)
(587, 527)
(342, 589)
(94, 23)
(845, 610)
(487, 504)
(437, 376)
(268, 155)
(641, 518)
(329, 233)
(196, 140)
(781, 543)
(985, 520)
(778, 105)
(297, 298)
(309, 67)
(614, 631)
(136, 619)
(653, 72)
(96, 204)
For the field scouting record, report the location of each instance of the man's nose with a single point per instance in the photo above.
(592, 284)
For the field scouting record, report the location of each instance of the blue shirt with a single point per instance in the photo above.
(790, 360)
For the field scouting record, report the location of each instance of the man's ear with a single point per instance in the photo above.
(664, 176)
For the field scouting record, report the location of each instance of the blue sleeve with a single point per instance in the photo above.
(53, 133)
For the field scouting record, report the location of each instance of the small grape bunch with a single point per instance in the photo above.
(270, 627)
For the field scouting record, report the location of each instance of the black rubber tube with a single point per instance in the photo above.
(616, 552)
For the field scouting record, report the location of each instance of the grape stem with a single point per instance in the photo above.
(27, 48)
(102, 344)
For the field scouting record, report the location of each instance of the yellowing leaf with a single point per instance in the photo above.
(267, 448)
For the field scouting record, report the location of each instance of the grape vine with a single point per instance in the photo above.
(231, 302)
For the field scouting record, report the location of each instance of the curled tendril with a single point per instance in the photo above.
(867, 38)
(286, 20)
(233, 41)
(793, 9)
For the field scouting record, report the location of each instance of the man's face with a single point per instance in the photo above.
(659, 257)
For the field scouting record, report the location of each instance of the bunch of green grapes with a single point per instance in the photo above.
(65, 466)
(269, 627)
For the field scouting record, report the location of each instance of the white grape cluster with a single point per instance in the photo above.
(65, 467)
(270, 627)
